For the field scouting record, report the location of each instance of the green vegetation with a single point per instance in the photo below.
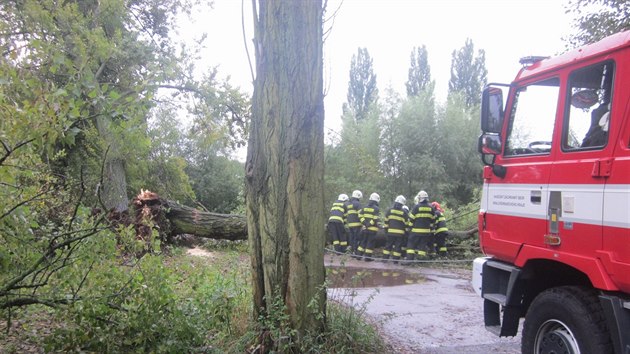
(172, 302)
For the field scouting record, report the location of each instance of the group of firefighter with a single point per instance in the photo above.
(416, 233)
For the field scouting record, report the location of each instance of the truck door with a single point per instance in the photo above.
(616, 220)
(578, 177)
(517, 202)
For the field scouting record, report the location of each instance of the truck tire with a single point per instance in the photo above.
(566, 319)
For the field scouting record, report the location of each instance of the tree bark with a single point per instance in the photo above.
(285, 165)
(114, 179)
(186, 220)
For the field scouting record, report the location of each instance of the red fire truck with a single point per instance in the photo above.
(554, 221)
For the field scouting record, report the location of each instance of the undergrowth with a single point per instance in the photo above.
(172, 302)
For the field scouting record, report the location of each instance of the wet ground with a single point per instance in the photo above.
(420, 309)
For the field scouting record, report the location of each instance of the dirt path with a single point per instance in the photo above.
(435, 312)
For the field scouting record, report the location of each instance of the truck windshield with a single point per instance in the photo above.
(532, 118)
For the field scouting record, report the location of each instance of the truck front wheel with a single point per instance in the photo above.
(566, 319)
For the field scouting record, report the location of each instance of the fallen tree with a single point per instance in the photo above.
(173, 219)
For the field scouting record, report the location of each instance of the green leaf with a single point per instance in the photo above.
(93, 93)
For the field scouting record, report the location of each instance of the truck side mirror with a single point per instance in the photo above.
(489, 144)
(492, 110)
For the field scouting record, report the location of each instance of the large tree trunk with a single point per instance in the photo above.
(114, 188)
(285, 165)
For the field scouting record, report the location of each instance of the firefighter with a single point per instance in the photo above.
(422, 216)
(396, 219)
(370, 219)
(352, 220)
(440, 231)
(336, 223)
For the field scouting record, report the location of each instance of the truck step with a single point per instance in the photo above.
(626, 305)
(495, 297)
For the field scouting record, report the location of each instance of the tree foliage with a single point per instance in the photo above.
(409, 144)
(468, 73)
(419, 77)
(362, 89)
(596, 19)
(79, 86)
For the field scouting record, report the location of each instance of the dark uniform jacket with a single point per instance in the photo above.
(422, 217)
(353, 206)
(369, 216)
(338, 212)
(396, 220)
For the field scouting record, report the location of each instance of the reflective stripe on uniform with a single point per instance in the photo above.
(421, 231)
(395, 231)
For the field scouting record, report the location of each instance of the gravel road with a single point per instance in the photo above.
(420, 309)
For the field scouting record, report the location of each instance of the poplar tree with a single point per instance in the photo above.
(285, 166)
(362, 90)
(468, 73)
(419, 78)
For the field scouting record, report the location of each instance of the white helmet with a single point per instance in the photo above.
(357, 194)
(375, 197)
(400, 199)
(422, 195)
(343, 197)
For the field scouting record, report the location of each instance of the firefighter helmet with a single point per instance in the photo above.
(343, 197)
(375, 197)
(400, 199)
(584, 99)
(422, 195)
(357, 194)
(437, 206)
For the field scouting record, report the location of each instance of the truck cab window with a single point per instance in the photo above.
(532, 119)
(588, 114)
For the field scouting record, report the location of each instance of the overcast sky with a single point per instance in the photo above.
(505, 29)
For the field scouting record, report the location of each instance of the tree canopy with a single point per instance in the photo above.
(362, 90)
(419, 78)
(596, 19)
(468, 73)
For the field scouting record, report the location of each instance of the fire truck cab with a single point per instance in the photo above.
(554, 221)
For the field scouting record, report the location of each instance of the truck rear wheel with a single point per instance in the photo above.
(566, 319)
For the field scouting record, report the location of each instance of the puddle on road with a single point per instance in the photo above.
(344, 277)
